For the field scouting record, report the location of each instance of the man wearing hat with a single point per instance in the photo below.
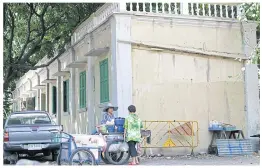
(109, 113)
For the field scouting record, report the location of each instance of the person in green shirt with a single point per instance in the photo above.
(132, 134)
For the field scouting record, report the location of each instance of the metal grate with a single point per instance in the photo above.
(230, 147)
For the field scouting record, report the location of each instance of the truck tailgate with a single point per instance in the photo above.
(25, 134)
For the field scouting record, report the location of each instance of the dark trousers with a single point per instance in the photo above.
(132, 148)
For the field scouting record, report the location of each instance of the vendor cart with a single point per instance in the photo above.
(70, 154)
(83, 150)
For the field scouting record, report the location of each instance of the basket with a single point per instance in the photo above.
(145, 133)
(101, 129)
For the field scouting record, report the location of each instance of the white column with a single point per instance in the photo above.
(121, 64)
(90, 95)
(72, 101)
(252, 103)
(47, 98)
(252, 99)
(58, 100)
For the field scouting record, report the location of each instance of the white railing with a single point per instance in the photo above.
(196, 9)
(95, 20)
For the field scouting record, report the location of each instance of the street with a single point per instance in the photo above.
(185, 160)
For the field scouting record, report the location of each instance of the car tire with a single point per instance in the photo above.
(54, 156)
(46, 153)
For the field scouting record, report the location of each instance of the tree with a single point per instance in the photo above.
(35, 30)
(252, 12)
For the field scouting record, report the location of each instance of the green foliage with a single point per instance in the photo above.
(34, 30)
(252, 12)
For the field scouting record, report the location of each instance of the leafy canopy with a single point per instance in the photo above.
(35, 30)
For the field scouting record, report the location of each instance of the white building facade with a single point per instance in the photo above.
(172, 63)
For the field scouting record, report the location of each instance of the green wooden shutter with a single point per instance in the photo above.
(82, 89)
(54, 99)
(101, 81)
(106, 81)
(104, 85)
(67, 96)
(34, 100)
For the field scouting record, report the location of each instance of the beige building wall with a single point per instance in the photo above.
(100, 38)
(206, 34)
(180, 86)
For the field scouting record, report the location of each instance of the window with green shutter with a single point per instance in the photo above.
(104, 85)
(66, 95)
(34, 101)
(54, 99)
(82, 89)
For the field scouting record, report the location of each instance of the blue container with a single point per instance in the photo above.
(120, 129)
(110, 128)
(119, 121)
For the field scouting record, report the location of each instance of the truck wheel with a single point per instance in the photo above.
(46, 153)
(54, 156)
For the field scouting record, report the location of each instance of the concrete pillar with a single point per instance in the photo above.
(252, 101)
(72, 95)
(90, 95)
(59, 100)
(47, 98)
(121, 64)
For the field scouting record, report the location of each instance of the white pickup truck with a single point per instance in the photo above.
(31, 132)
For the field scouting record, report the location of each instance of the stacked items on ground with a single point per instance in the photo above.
(227, 143)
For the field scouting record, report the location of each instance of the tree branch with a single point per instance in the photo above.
(27, 67)
(31, 5)
(12, 27)
(36, 46)
(28, 34)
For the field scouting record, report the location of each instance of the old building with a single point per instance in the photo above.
(177, 63)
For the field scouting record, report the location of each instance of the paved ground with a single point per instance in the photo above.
(195, 160)
(203, 160)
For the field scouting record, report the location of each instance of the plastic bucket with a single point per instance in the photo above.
(120, 129)
(119, 121)
(110, 128)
